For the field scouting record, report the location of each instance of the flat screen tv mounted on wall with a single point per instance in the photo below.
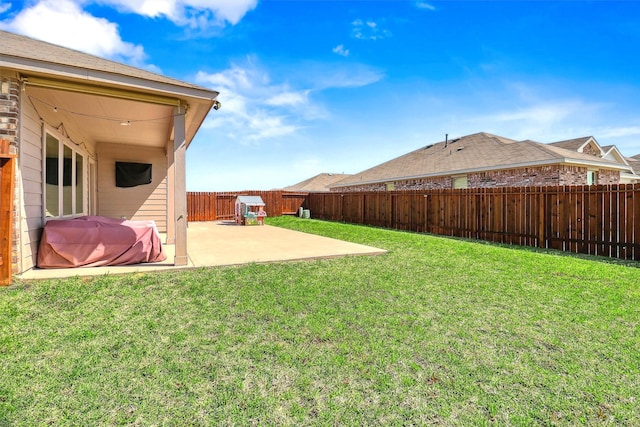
(131, 174)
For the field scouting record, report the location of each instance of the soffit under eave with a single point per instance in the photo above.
(196, 108)
(112, 91)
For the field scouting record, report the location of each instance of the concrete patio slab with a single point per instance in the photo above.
(226, 243)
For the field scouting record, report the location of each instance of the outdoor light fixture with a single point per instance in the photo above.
(216, 104)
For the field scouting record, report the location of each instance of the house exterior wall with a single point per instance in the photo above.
(425, 184)
(523, 177)
(592, 150)
(605, 177)
(30, 178)
(20, 123)
(29, 191)
(143, 202)
(527, 177)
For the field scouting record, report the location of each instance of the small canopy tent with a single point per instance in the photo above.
(249, 210)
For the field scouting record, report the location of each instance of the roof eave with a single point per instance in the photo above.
(30, 66)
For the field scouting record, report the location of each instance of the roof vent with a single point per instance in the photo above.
(428, 146)
(459, 148)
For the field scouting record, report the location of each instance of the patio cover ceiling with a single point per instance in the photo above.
(95, 118)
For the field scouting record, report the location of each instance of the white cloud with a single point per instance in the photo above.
(255, 108)
(191, 13)
(289, 98)
(617, 132)
(553, 120)
(545, 114)
(326, 76)
(369, 30)
(64, 23)
(340, 50)
(425, 5)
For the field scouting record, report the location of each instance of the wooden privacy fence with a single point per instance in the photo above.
(598, 220)
(221, 206)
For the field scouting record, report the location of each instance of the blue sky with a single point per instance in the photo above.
(339, 86)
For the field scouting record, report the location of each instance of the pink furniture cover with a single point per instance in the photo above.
(93, 241)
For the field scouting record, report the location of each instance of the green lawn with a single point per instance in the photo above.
(437, 331)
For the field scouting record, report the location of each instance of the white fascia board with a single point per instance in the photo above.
(493, 168)
(616, 153)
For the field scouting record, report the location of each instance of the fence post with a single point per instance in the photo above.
(542, 218)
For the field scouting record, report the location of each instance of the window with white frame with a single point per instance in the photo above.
(64, 177)
(591, 177)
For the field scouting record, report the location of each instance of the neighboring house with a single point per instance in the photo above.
(63, 110)
(485, 160)
(634, 162)
(589, 145)
(318, 183)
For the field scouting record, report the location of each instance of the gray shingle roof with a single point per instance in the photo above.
(634, 162)
(572, 144)
(320, 182)
(480, 151)
(18, 46)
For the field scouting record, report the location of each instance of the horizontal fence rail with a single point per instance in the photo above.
(598, 219)
(221, 205)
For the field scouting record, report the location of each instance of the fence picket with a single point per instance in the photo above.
(598, 219)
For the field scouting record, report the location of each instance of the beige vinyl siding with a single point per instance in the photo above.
(30, 185)
(143, 202)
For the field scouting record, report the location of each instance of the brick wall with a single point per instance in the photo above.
(590, 149)
(524, 177)
(9, 110)
(364, 187)
(608, 177)
(425, 184)
(9, 126)
(530, 177)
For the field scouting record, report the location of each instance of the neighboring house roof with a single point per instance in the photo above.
(318, 183)
(475, 153)
(576, 144)
(634, 162)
